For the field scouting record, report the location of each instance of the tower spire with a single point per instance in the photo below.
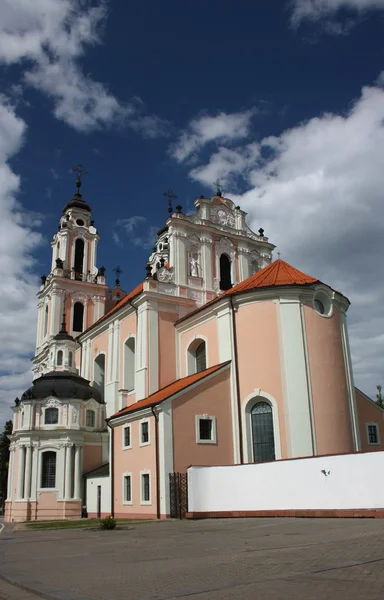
(171, 196)
(80, 172)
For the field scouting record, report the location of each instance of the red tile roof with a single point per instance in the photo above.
(130, 296)
(170, 390)
(279, 273)
(276, 274)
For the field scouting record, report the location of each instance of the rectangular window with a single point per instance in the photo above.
(127, 436)
(373, 434)
(205, 426)
(145, 488)
(205, 429)
(145, 432)
(127, 488)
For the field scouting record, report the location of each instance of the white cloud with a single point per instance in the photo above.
(318, 9)
(131, 223)
(317, 190)
(18, 285)
(223, 127)
(48, 38)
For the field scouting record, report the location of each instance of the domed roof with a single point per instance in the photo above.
(61, 384)
(77, 202)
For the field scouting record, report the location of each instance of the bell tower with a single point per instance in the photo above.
(75, 287)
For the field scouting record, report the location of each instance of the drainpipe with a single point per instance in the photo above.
(237, 379)
(157, 462)
(111, 467)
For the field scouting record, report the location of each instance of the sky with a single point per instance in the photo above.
(283, 101)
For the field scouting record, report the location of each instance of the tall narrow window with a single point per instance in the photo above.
(46, 321)
(51, 416)
(201, 359)
(262, 433)
(59, 361)
(129, 364)
(99, 374)
(48, 470)
(127, 488)
(79, 257)
(145, 488)
(70, 358)
(225, 272)
(78, 316)
(90, 418)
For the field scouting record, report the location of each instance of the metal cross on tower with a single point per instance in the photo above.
(171, 196)
(80, 172)
(219, 189)
(118, 271)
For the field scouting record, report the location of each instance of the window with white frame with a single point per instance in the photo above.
(127, 436)
(48, 469)
(59, 358)
(145, 488)
(127, 488)
(205, 429)
(144, 433)
(51, 416)
(197, 357)
(129, 364)
(90, 418)
(373, 433)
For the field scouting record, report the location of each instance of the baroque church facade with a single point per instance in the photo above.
(220, 356)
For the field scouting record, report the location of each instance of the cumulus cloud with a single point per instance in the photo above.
(317, 190)
(18, 239)
(314, 10)
(139, 234)
(48, 38)
(205, 129)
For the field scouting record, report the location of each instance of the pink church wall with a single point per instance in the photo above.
(332, 420)
(369, 413)
(259, 356)
(208, 330)
(167, 348)
(92, 458)
(133, 460)
(213, 398)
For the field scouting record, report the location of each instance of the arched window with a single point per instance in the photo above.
(78, 316)
(90, 418)
(129, 364)
(51, 416)
(225, 272)
(263, 438)
(59, 360)
(197, 357)
(79, 257)
(99, 374)
(70, 358)
(48, 470)
(46, 320)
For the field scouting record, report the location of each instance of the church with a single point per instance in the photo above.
(221, 355)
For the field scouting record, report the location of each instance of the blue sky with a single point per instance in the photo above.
(283, 101)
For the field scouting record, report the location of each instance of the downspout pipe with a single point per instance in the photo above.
(111, 467)
(237, 380)
(156, 416)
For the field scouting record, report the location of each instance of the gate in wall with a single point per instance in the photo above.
(178, 487)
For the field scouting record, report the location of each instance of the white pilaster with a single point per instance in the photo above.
(77, 481)
(115, 358)
(10, 473)
(35, 455)
(180, 259)
(295, 381)
(28, 473)
(109, 357)
(21, 473)
(225, 344)
(206, 259)
(350, 382)
(40, 308)
(141, 352)
(55, 313)
(153, 349)
(68, 471)
(165, 455)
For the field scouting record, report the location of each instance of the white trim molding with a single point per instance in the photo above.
(213, 439)
(258, 395)
(128, 426)
(189, 357)
(126, 502)
(141, 423)
(142, 501)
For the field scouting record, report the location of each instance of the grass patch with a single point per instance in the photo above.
(78, 524)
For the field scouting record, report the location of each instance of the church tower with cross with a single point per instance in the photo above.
(75, 291)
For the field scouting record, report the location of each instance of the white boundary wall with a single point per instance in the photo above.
(350, 481)
(92, 483)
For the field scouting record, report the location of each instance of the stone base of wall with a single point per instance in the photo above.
(19, 511)
(368, 513)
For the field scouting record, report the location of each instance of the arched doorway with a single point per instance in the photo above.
(263, 438)
(225, 272)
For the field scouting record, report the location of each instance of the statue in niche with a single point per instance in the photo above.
(193, 266)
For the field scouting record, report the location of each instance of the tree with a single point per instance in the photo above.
(4, 457)
(379, 397)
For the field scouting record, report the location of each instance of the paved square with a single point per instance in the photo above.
(208, 560)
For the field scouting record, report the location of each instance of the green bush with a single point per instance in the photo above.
(108, 523)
